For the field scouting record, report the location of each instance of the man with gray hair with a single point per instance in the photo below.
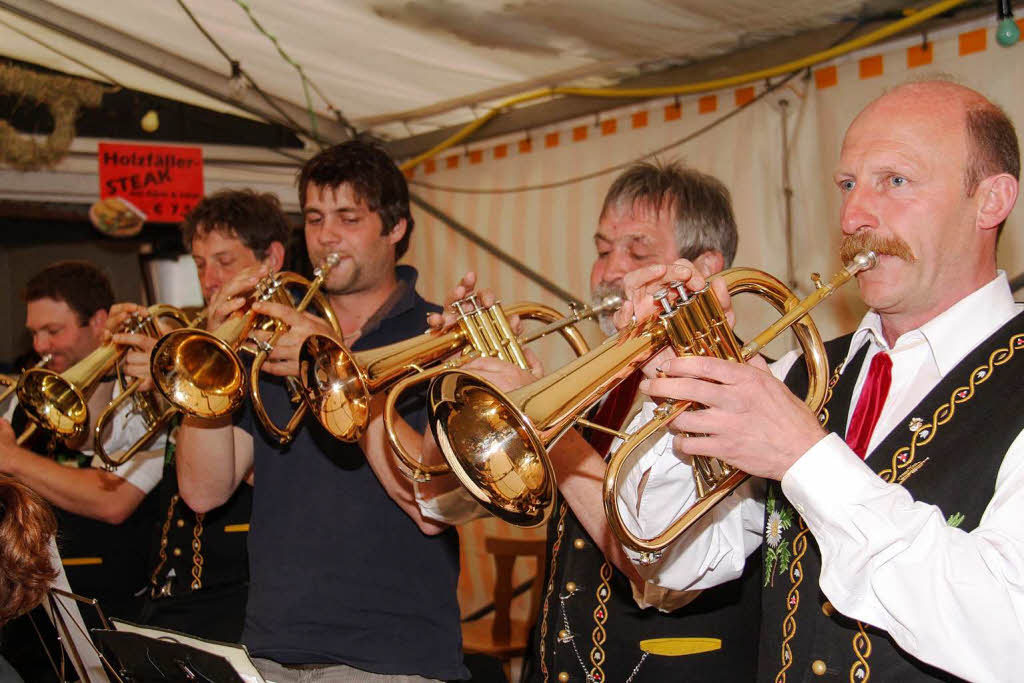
(593, 619)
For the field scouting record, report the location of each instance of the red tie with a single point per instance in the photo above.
(613, 411)
(869, 405)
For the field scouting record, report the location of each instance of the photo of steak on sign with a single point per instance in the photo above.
(163, 182)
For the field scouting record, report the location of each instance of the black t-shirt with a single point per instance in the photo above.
(339, 573)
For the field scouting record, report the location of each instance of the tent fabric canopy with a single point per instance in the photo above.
(379, 62)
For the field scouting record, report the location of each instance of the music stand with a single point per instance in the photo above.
(150, 654)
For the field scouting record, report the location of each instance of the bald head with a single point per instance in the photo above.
(928, 173)
(986, 135)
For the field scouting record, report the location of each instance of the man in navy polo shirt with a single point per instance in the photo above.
(348, 581)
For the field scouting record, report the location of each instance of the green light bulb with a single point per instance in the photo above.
(1008, 33)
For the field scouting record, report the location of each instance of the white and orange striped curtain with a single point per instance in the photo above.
(551, 229)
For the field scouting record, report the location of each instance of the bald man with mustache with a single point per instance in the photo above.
(891, 536)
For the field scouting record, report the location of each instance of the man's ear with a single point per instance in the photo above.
(996, 196)
(98, 322)
(709, 263)
(275, 256)
(397, 232)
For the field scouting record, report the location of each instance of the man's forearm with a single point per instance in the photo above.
(89, 492)
(379, 456)
(580, 474)
(206, 462)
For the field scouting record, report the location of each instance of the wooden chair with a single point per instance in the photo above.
(499, 635)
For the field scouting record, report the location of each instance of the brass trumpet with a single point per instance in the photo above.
(495, 441)
(59, 403)
(338, 384)
(200, 372)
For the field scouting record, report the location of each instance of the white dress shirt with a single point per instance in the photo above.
(146, 468)
(951, 598)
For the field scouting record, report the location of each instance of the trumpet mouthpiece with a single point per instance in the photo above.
(865, 260)
(331, 260)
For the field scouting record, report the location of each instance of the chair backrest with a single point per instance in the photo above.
(505, 552)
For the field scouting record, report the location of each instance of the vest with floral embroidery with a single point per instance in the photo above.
(803, 637)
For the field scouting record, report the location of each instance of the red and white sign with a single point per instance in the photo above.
(165, 182)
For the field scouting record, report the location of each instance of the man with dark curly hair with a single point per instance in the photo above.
(199, 573)
(348, 581)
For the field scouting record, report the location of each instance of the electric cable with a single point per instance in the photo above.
(288, 120)
(667, 91)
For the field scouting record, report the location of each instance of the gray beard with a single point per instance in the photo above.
(598, 295)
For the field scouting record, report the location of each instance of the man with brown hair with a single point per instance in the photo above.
(348, 581)
(102, 516)
(105, 518)
(199, 573)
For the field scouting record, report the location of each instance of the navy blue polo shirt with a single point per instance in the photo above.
(339, 573)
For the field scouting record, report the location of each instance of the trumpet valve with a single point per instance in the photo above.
(680, 289)
(661, 297)
(816, 279)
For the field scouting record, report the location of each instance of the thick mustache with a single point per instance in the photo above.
(887, 245)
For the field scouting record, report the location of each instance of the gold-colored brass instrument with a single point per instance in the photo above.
(339, 384)
(418, 471)
(497, 442)
(11, 382)
(200, 372)
(59, 403)
(145, 403)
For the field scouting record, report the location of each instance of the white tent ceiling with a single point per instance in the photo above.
(394, 67)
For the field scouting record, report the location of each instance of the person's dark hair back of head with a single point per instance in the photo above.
(374, 178)
(700, 205)
(255, 218)
(993, 147)
(81, 285)
(26, 526)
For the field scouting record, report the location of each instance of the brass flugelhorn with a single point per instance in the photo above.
(497, 441)
(714, 479)
(59, 403)
(200, 372)
(338, 384)
(145, 403)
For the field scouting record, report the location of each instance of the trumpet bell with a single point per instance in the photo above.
(334, 387)
(54, 402)
(489, 445)
(198, 373)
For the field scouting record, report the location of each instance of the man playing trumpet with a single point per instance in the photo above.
(104, 517)
(595, 606)
(347, 577)
(892, 538)
(199, 572)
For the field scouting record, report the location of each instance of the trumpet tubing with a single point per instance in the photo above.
(59, 402)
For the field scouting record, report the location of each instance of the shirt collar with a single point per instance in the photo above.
(402, 299)
(952, 334)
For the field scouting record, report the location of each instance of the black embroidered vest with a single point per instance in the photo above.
(803, 638)
(596, 628)
(196, 551)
